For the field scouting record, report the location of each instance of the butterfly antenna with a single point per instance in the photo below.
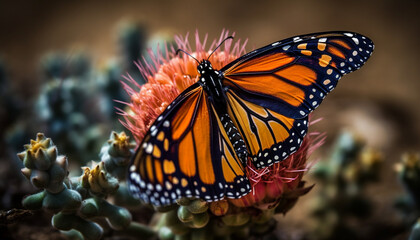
(230, 37)
(180, 50)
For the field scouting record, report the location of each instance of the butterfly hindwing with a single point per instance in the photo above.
(270, 136)
(187, 154)
(293, 76)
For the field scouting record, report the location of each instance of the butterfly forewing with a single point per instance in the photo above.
(186, 154)
(293, 76)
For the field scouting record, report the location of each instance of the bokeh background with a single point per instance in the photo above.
(378, 103)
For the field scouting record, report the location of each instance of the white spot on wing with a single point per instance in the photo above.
(149, 148)
(166, 123)
(297, 39)
(355, 40)
(154, 132)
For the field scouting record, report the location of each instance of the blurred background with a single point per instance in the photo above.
(61, 63)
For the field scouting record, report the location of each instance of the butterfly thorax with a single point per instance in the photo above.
(211, 81)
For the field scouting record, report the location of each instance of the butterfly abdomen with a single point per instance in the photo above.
(235, 138)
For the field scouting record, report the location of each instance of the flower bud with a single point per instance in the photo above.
(219, 208)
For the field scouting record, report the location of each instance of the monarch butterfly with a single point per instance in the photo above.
(253, 109)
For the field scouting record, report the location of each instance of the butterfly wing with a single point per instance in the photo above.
(289, 78)
(186, 153)
(293, 76)
(269, 136)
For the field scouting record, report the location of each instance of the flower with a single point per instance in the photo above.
(167, 76)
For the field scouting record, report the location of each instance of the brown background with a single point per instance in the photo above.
(380, 102)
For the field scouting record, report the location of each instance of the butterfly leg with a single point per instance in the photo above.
(235, 138)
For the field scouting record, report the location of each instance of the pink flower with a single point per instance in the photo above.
(169, 75)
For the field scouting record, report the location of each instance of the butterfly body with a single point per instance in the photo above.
(255, 109)
(211, 81)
